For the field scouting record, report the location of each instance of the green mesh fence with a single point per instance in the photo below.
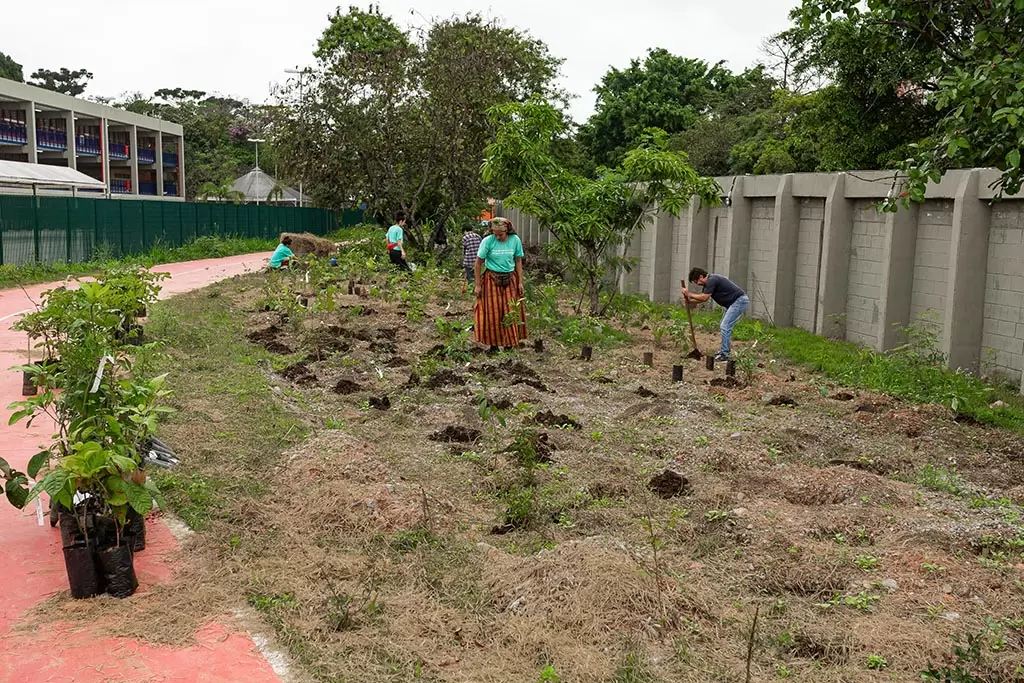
(75, 229)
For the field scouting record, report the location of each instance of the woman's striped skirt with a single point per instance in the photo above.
(499, 318)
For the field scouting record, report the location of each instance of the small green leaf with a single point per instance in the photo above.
(17, 491)
(37, 462)
(1013, 158)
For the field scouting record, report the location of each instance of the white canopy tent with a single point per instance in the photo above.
(22, 174)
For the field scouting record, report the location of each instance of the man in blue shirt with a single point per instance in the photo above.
(726, 294)
(396, 243)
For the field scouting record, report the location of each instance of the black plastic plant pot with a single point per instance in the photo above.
(709, 362)
(730, 368)
(28, 384)
(70, 532)
(141, 313)
(135, 531)
(84, 577)
(649, 359)
(587, 353)
(538, 345)
(677, 373)
(118, 567)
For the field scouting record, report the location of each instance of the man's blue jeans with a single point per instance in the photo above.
(729, 319)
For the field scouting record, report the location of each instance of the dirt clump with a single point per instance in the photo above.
(779, 400)
(669, 484)
(842, 396)
(380, 402)
(299, 373)
(726, 382)
(550, 419)
(268, 339)
(396, 362)
(382, 347)
(444, 378)
(644, 392)
(345, 387)
(455, 434)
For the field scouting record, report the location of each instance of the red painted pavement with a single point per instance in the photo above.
(32, 564)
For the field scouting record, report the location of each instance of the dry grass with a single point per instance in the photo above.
(306, 243)
(369, 548)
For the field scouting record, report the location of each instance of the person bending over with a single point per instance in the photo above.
(726, 294)
(283, 255)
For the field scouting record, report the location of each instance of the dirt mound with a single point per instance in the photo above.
(444, 378)
(383, 347)
(669, 484)
(644, 392)
(550, 419)
(802, 485)
(268, 339)
(380, 402)
(299, 373)
(396, 362)
(388, 333)
(589, 588)
(327, 340)
(306, 243)
(514, 370)
(726, 382)
(345, 387)
(455, 434)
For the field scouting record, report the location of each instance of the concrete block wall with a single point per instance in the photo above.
(865, 270)
(813, 251)
(1003, 327)
(931, 265)
(808, 262)
(760, 265)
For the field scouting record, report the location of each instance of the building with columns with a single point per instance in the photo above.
(135, 156)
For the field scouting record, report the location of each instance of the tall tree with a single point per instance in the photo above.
(399, 121)
(63, 81)
(663, 91)
(10, 69)
(969, 62)
(591, 218)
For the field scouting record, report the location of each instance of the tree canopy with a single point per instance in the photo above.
(10, 69)
(63, 81)
(399, 121)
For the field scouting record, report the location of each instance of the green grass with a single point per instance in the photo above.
(200, 248)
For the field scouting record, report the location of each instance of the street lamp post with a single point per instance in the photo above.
(300, 73)
(257, 141)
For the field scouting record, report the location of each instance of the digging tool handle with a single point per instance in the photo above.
(689, 317)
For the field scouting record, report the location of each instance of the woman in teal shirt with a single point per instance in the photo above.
(396, 243)
(498, 276)
(283, 255)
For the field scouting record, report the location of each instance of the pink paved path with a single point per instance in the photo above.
(32, 565)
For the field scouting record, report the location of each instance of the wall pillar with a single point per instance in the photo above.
(737, 235)
(786, 229)
(660, 287)
(159, 152)
(698, 224)
(32, 143)
(835, 262)
(968, 268)
(133, 164)
(105, 153)
(896, 284)
(72, 151)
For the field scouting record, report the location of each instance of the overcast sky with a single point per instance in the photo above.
(240, 48)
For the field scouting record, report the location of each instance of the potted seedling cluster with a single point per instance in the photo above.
(104, 415)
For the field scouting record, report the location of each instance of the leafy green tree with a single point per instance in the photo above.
(63, 81)
(400, 122)
(591, 219)
(10, 69)
(971, 57)
(663, 91)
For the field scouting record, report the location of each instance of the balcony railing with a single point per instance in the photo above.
(52, 139)
(120, 186)
(147, 155)
(170, 189)
(87, 145)
(119, 151)
(147, 188)
(170, 158)
(13, 133)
